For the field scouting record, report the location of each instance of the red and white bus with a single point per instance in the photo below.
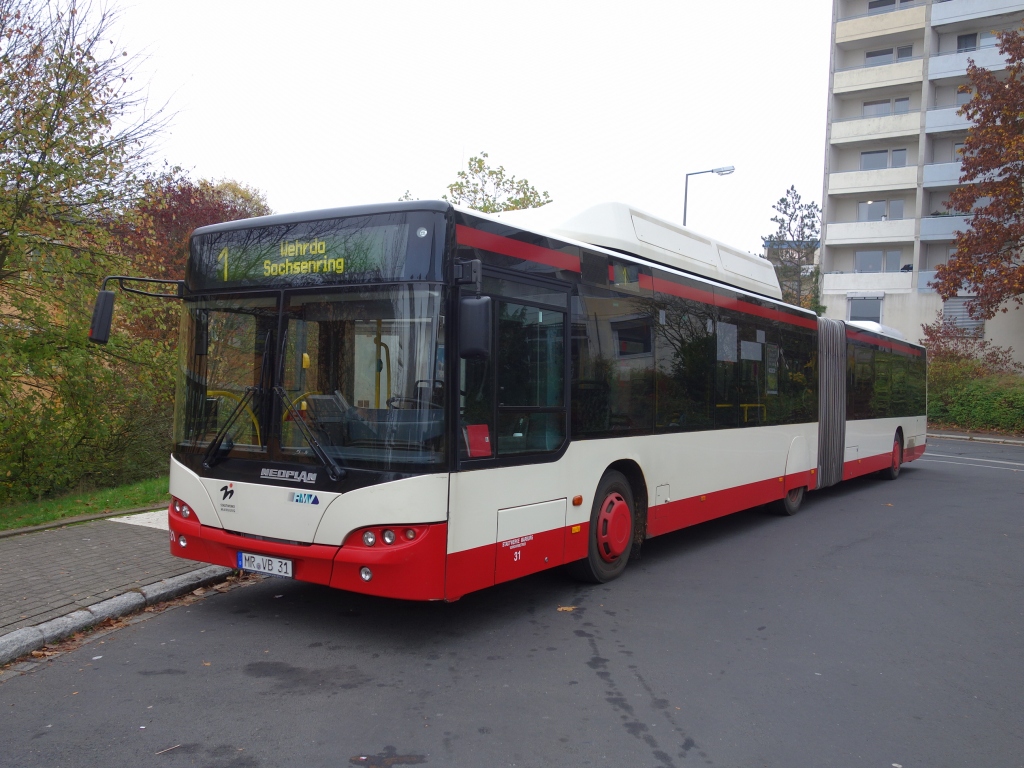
(418, 401)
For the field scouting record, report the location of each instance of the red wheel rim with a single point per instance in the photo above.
(613, 527)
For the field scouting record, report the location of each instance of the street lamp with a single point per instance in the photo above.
(724, 171)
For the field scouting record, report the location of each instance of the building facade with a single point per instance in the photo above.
(892, 156)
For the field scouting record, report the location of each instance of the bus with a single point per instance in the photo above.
(418, 401)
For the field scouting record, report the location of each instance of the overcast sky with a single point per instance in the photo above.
(323, 104)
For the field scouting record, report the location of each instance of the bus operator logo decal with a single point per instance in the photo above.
(228, 491)
(290, 475)
(304, 498)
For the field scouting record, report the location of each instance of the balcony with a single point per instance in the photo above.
(878, 76)
(881, 180)
(923, 280)
(955, 64)
(945, 119)
(938, 228)
(890, 282)
(938, 175)
(954, 11)
(869, 232)
(894, 23)
(849, 130)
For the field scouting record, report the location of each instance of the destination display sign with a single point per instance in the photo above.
(383, 247)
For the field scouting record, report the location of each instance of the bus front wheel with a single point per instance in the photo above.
(612, 525)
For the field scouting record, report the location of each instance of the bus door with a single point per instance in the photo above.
(512, 425)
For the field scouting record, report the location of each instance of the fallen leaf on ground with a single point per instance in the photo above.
(567, 608)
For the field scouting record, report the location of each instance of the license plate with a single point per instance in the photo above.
(272, 566)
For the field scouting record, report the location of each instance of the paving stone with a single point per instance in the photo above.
(46, 572)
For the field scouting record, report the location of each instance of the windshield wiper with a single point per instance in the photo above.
(333, 470)
(210, 458)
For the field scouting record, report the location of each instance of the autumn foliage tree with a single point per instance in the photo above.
(492, 190)
(154, 237)
(73, 143)
(988, 260)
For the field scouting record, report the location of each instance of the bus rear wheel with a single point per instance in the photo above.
(612, 527)
(788, 504)
(893, 470)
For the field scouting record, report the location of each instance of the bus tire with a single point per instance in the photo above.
(612, 528)
(893, 470)
(788, 504)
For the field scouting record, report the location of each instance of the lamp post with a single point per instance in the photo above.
(724, 171)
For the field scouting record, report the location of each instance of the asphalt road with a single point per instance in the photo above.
(880, 626)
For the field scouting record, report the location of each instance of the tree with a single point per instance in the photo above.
(73, 134)
(792, 247)
(73, 143)
(154, 235)
(988, 262)
(489, 190)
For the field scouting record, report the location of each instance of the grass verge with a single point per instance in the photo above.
(142, 494)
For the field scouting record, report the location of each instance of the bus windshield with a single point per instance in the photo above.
(361, 368)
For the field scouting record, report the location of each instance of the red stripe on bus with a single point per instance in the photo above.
(674, 515)
(475, 238)
(661, 285)
(883, 342)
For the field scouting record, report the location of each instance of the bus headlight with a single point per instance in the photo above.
(388, 536)
(365, 573)
(369, 539)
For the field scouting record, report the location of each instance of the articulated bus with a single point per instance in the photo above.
(419, 401)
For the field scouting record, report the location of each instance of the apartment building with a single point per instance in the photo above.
(892, 156)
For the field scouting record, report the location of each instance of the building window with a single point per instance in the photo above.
(955, 309)
(879, 159)
(879, 210)
(963, 98)
(904, 52)
(966, 42)
(878, 58)
(874, 261)
(883, 107)
(877, 108)
(866, 310)
(881, 6)
(873, 161)
(958, 152)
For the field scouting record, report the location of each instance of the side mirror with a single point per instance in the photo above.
(475, 326)
(102, 314)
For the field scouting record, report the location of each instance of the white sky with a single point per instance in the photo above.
(323, 104)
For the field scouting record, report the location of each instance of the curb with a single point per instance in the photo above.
(27, 639)
(972, 438)
(78, 519)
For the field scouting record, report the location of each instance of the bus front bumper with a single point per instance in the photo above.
(408, 569)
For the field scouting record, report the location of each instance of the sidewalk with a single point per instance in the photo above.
(979, 437)
(59, 581)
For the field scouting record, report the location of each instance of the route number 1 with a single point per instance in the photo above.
(223, 255)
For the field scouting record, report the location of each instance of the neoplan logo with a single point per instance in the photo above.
(227, 491)
(289, 475)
